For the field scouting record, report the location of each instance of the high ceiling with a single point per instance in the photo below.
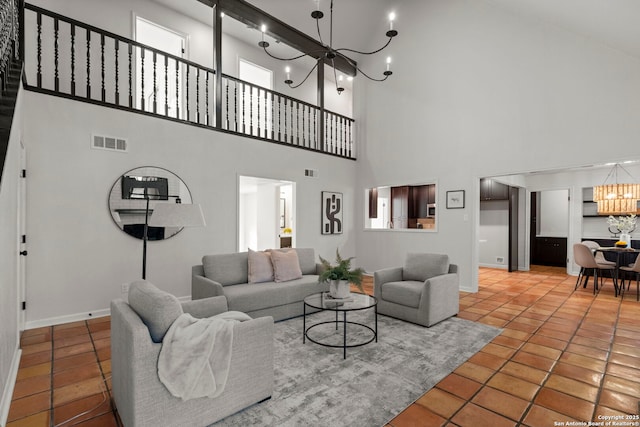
(614, 23)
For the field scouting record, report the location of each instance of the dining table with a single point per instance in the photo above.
(622, 257)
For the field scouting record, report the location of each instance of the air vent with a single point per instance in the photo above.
(312, 173)
(111, 143)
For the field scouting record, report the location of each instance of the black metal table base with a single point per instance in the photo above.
(344, 346)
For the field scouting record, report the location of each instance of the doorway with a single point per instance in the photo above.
(549, 227)
(266, 213)
(156, 94)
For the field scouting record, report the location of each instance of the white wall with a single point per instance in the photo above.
(78, 258)
(9, 327)
(478, 91)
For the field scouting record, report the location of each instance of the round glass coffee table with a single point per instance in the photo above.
(356, 302)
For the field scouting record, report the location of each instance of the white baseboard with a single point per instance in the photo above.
(500, 266)
(32, 324)
(7, 394)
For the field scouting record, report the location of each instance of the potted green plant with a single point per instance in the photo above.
(340, 276)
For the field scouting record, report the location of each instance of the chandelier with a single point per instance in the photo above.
(329, 54)
(617, 198)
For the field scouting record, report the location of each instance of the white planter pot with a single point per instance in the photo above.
(339, 289)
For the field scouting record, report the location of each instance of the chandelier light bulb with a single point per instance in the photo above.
(350, 78)
(388, 62)
(288, 71)
(392, 17)
(340, 77)
(221, 14)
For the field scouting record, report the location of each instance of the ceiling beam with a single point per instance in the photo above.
(252, 16)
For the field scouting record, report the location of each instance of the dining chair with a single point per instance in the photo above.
(599, 256)
(635, 269)
(584, 257)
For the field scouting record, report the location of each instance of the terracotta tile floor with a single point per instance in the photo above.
(562, 356)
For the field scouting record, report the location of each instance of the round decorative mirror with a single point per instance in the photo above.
(135, 194)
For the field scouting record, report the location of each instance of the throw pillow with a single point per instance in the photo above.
(260, 268)
(157, 309)
(285, 266)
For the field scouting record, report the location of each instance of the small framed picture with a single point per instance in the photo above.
(455, 199)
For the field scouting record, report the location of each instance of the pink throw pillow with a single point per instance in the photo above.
(285, 266)
(260, 268)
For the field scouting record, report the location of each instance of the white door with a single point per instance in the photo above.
(167, 86)
(256, 110)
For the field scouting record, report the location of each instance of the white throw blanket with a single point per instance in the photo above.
(196, 354)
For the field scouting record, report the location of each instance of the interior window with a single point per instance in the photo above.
(402, 207)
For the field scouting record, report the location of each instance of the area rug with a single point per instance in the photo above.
(315, 386)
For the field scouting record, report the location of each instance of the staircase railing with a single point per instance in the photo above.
(68, 58)
(10, 69)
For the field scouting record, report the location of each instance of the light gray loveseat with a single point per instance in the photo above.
(140, 397)
(424, 291)
(228, 275)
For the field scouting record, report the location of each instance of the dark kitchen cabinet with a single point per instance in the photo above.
(373, 203)
(549, 251)
(493, 190)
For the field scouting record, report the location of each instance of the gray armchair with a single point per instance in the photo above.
(140, 397)
(425, 291)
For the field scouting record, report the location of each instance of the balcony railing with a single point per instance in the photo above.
(68, 58)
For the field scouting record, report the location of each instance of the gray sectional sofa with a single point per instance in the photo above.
(228, 275)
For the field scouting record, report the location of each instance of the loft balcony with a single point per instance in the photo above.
(68, 58)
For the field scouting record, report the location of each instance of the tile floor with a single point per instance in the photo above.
(562, 356)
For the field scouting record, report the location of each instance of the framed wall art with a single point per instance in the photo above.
(455, 199)
(332, 207)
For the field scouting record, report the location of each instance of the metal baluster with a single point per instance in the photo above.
(291, 112)
(343, 135)
(227, 103)
(142, 79)
(103, 92)
(206, 96)
(273, 116)
(198, 95)
(279, 108)
(297, 123)
(56, 28)
(244, 108)
(266, 115)
(177, 89)
(188, 115)
(258, 108)
(304, 142)
(130, 77)
(327, 140)
(235, 106)
(73, 59)
(88, 63)
(285, 121)
(315, 130)
(117, 52)
(154, 87)
(39, 51)
(166, 85)
(251, 110)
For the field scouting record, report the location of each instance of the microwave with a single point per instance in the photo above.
(431, 210)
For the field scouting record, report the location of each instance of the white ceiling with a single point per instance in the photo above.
(614, 23)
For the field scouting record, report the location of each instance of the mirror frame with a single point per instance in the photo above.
(134, 208)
